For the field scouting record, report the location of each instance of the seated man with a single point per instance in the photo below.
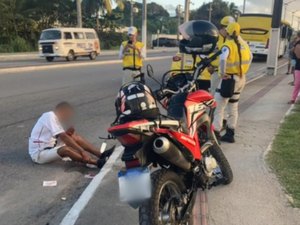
(49, 141)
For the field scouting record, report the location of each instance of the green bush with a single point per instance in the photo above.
(16, 44)
(111, 40)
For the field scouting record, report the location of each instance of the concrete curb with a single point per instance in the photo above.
(70, 65)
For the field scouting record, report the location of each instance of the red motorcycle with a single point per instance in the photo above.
(167, 158)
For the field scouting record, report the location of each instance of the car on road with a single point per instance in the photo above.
(69, 43)
(164, 42)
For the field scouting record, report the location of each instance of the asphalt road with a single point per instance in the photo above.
(23, 97)
(34, 60)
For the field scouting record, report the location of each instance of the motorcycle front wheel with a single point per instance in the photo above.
(161, 208)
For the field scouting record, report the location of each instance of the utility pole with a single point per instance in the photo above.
(79, 13)
(179, 14)
(131, 13)
(144, 25)
(187, 10)
(272, 60)
(244, 6)
(209, 12)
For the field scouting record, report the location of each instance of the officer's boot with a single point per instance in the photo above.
(229, 136)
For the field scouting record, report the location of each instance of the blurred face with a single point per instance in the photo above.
(223, 31)
(132, 37)
(65, 114)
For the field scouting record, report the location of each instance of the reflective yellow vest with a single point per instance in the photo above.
(131, 58)
(220, 43)
(233, 60)
(188, 65)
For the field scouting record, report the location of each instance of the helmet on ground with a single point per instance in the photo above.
(132, 31)
(199, 37)
(233, 28)
(227, 20)
(136, 101)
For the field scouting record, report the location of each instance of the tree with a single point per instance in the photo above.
(92, 8)
(157, 16)
(219, 10)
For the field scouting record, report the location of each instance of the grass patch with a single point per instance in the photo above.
(285, 155)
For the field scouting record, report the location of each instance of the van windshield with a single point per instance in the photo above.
(50, 35)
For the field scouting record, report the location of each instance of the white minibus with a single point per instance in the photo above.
(69, 43)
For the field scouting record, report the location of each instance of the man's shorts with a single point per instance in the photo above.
(46, 156)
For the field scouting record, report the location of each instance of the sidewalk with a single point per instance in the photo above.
(255, 196)
(35, 55)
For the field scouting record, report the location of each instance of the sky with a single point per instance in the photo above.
(252, 6)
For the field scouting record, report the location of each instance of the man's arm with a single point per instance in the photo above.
(121, 52)
(65, 138)
(223, 60)
(142, 52)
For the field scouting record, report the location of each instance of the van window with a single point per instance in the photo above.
(50, 35)
(67, 35)
(78, 35)
(90, 35)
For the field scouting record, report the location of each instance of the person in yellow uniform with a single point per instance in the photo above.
(186, 62)
(132, 52)
(215, 79)
(235, 62)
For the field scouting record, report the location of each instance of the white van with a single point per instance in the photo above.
(69, 43)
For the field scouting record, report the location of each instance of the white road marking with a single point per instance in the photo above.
(85, 197)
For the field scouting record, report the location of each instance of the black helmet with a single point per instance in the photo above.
(199, 37)
(136, 101)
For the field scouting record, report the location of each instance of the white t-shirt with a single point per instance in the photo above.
(44, 132)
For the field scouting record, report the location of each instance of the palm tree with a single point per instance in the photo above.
(94, 7)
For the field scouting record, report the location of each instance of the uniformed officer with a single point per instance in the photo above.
(235, 61)
(215, 80)
(132, 52)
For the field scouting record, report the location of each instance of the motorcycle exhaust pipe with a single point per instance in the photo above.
(167, 150)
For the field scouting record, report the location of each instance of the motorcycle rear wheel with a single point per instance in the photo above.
(160, 209)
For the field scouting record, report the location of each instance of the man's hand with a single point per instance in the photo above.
(211, 69)
(85, 157)
(226, 77)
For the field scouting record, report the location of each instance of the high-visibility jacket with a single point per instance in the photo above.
(233, 65)
(220, 43)
(187, 64)
(132, 59)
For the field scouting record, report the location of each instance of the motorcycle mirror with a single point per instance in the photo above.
(150, 72)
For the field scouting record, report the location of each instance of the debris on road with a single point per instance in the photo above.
(49, 183)
(89, 176)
